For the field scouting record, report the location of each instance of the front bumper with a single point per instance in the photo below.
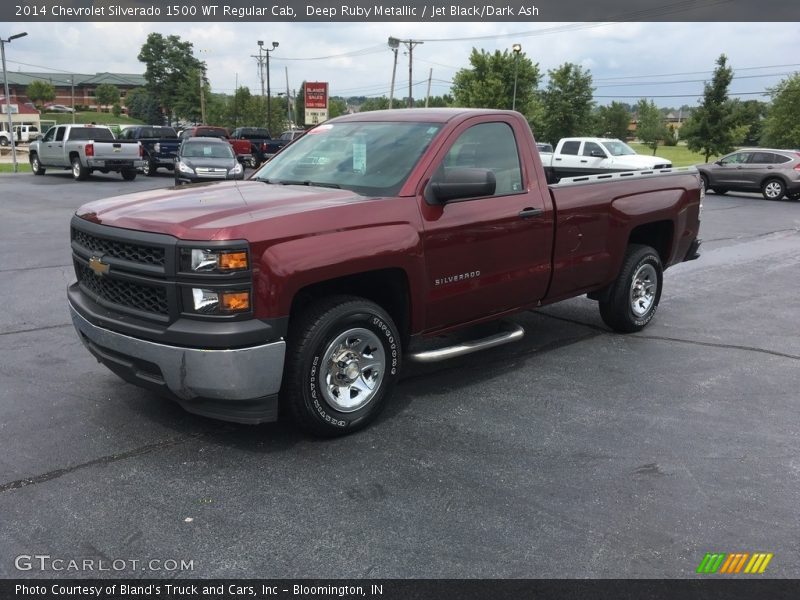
(239, 385)
(181, 177)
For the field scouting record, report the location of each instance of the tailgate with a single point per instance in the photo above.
(116, 150)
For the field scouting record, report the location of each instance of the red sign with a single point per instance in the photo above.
(316, 94)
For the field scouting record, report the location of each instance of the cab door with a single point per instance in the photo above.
(489, 254)
(51, 148)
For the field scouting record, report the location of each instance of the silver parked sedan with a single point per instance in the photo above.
(774, 173)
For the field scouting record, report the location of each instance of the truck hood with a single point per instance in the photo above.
(208, 211)
(639, 161)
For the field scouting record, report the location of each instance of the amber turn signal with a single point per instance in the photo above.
(235, 301)
(232, 261)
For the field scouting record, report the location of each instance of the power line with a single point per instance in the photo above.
(607, 85)
(696, 72)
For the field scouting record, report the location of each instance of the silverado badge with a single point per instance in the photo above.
(98, 266)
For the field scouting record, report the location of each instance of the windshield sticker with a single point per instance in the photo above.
(360, 154)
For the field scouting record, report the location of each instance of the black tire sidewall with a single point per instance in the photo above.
(313, 397)
(652, 259)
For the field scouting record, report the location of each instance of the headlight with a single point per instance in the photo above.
(220, 301)
(208, 260)
(157, 147)
(237, 169)
(184, 168)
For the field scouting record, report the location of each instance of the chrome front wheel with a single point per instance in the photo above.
(353, 367)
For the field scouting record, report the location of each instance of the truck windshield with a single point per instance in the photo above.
(98, 134)
(369, 158)
(618, 148)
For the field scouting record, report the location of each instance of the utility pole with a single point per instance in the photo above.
(428, 93)
(260, 61)
(393, 46)
(410, 44)
(288, 100)
(516, 49)
(72, 93)
(202, 101)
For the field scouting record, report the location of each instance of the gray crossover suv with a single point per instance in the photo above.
(774, 173)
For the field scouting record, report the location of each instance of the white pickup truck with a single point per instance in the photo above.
(84, 149)
(578, 156)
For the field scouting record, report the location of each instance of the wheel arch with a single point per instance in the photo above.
(388, 288)
(659, 235)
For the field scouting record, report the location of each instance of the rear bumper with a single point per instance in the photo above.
(239, 385)
(114, 164)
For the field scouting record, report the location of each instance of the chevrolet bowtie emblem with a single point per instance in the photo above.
(98, 266)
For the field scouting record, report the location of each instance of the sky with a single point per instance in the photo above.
(667, 62)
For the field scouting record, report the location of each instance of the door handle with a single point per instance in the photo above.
(528, 212)
(583, 161)
(558, 159)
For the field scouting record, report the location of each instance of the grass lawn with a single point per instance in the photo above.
(90, 117)
(680, 155)
(22, 167)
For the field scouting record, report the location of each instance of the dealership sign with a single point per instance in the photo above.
(316, 101)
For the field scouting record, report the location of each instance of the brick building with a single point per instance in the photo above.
(72, 88)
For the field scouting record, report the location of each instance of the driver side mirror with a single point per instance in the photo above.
(455, 183)
(598, 154)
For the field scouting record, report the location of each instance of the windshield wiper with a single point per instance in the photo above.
(309, 183)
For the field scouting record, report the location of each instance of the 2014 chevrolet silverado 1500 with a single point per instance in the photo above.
(315, 279)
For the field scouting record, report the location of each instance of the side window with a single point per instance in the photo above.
(780, 158)
(762, 158)
(570, 148)
(60, 134)
(489, 146)
(50, 135)
(736, 159)
(589, 147)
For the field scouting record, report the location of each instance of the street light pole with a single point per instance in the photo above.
(269, 93)
(8, 97)
(516, 48)
(394, 44)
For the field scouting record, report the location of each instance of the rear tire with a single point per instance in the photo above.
(36, 166)
(149, 168)
(632, 299)
(720, 191)
(128, 174)
(79, 172)
(342, 362)
(773, 189)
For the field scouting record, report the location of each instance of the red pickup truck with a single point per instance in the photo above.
(310, 283)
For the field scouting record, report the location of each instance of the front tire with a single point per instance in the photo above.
(79, 172)
(149, 168)
(632, 300)
(36, 166)
(773, 189)
(342, 362)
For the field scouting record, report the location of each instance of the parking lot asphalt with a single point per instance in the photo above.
(576, 452)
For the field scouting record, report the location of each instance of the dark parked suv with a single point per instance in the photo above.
(774, 173)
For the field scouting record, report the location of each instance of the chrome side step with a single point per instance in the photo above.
(513, 333)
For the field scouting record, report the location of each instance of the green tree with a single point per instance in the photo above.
(144, 106)
(782, 125)
(489, 83)
(750, 115)
(172, 73)
(566, 103)
(336, 107)
(300, 106)
(40, 92)
(712, 127)
(613, 120)
(105, 94)
(380, 103)
(650, 124)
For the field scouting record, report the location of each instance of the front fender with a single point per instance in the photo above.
(285, 268)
